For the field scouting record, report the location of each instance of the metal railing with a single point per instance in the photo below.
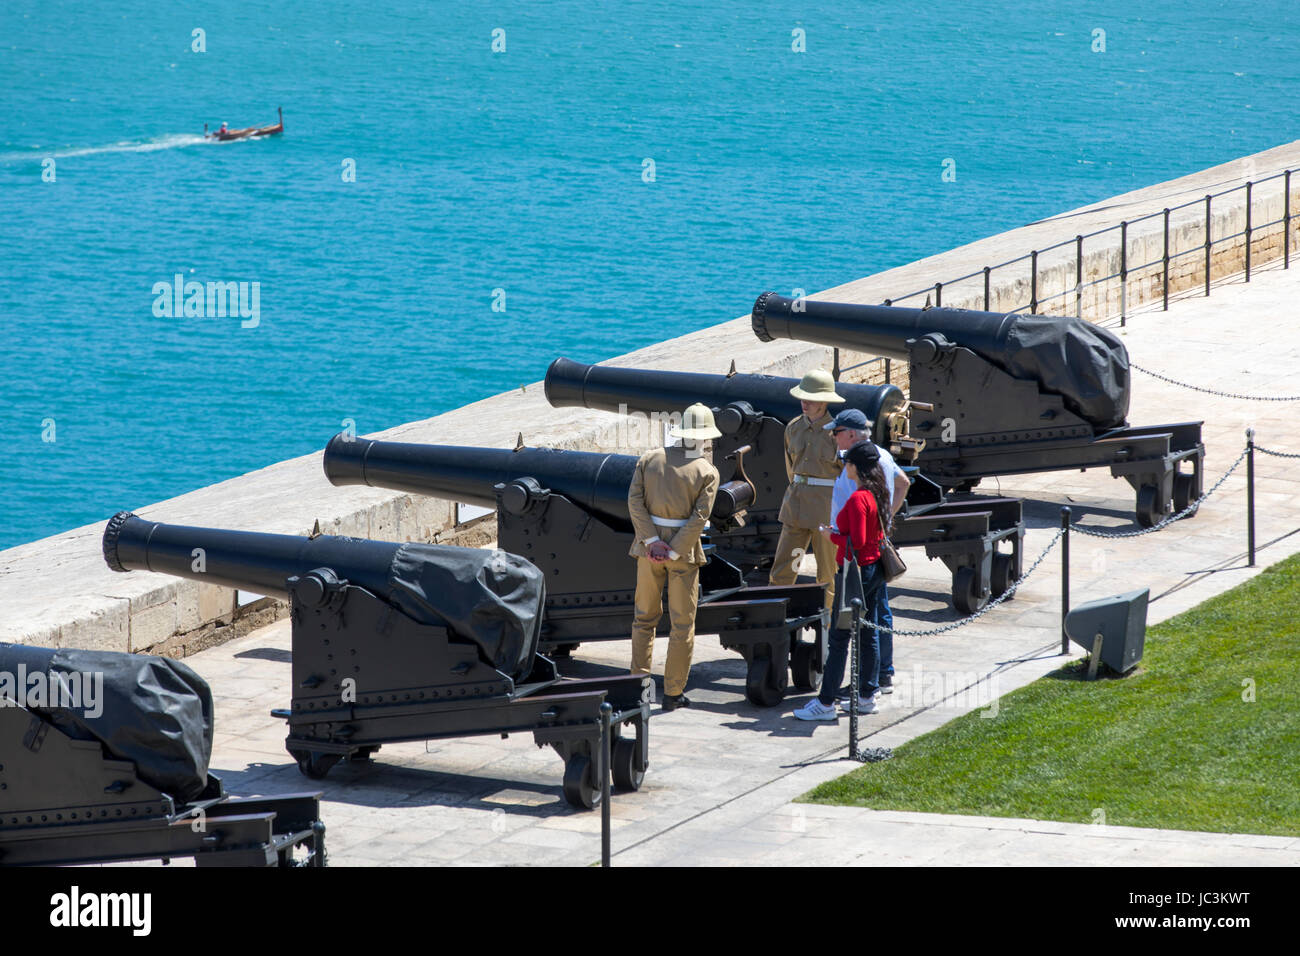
(934, 293)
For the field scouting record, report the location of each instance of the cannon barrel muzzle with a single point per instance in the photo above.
(247, 560)
(649, 391)
(1083, 363)
(595, 480)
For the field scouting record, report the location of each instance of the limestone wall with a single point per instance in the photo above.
(58, 591)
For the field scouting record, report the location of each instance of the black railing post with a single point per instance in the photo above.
(888, 381)
(1065, 577)
(1033, 282)
(938, 294)
(1123, 273)
(1166, 259)
(855, 650)
(1248, 185)
(1208, 243)
(1078, 277)
(1286, 221)
(987, 306)
(606, 735)
(1250, 495)
(835, 364)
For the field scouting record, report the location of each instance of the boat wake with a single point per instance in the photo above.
(170, 141)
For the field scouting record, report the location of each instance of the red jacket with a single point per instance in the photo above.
(858, 519)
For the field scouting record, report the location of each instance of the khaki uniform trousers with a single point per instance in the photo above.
(785, 563)
(683, 581)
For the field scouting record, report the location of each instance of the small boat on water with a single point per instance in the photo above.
(224, 134)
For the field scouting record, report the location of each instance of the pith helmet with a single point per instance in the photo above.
(697, 423)
(817, 386)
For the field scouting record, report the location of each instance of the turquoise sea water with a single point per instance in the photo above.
(521, 171)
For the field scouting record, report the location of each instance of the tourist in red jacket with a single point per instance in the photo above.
(860, 541)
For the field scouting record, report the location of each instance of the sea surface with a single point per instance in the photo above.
(517, 178)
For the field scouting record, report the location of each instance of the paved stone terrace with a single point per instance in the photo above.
(723, 773)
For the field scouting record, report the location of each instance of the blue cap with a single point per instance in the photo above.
(849, 418)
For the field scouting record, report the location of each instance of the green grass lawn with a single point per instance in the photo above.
(1177, 744)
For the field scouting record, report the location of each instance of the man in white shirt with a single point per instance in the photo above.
(848, 428)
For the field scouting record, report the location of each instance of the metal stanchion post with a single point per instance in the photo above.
(606, 737)
(1250, 495)
(1065, 577)
(855, 687)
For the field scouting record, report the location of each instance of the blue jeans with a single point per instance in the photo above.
(885, 618)
(837, 651)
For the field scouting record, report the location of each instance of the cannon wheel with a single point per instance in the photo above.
(579, 784)
(313, 764)
(759, 684)
(1148, 498)
(965, 592)
(623, 762)
(803, 666)
(1183, 485)
(1001, 576)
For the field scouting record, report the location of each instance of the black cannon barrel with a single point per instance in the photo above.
(645, 391)
(248, 560)
(595, 480)
(877, 329)
(1085, 364)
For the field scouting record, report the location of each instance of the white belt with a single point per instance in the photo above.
(669, 522)
(815, 482)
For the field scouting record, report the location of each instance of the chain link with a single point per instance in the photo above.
(1276, 454)
(1169, 519)
(1211, 391)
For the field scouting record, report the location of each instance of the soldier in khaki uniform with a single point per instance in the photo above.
(812, 464)
(670, 500)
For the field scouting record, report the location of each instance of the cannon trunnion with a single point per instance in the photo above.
(438, 642)
(582, 552)
(978, 538)
(1011, 394)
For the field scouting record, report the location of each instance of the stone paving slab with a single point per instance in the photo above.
(723, 774)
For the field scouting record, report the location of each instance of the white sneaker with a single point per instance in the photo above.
(866, 705)
(815, 710)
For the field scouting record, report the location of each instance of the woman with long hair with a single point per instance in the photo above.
(860, 523)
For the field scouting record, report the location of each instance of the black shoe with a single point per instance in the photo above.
(673, 701)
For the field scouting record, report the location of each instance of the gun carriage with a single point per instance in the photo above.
(566, 512)
(396, 642)
(1009, 394)
(108, 762)
(978, 538)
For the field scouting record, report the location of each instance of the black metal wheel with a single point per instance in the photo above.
(313, 764)
(1002, 575)
(623, 763)
(580, 785)
(803, 666)
(966, 596)
(1148, 504)
(761, 685)
(1184, 486)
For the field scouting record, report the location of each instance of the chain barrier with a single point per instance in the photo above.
(1091, 532)
(1276, 454)
(1169, 519)
(1004, 596)
(1211, 391)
